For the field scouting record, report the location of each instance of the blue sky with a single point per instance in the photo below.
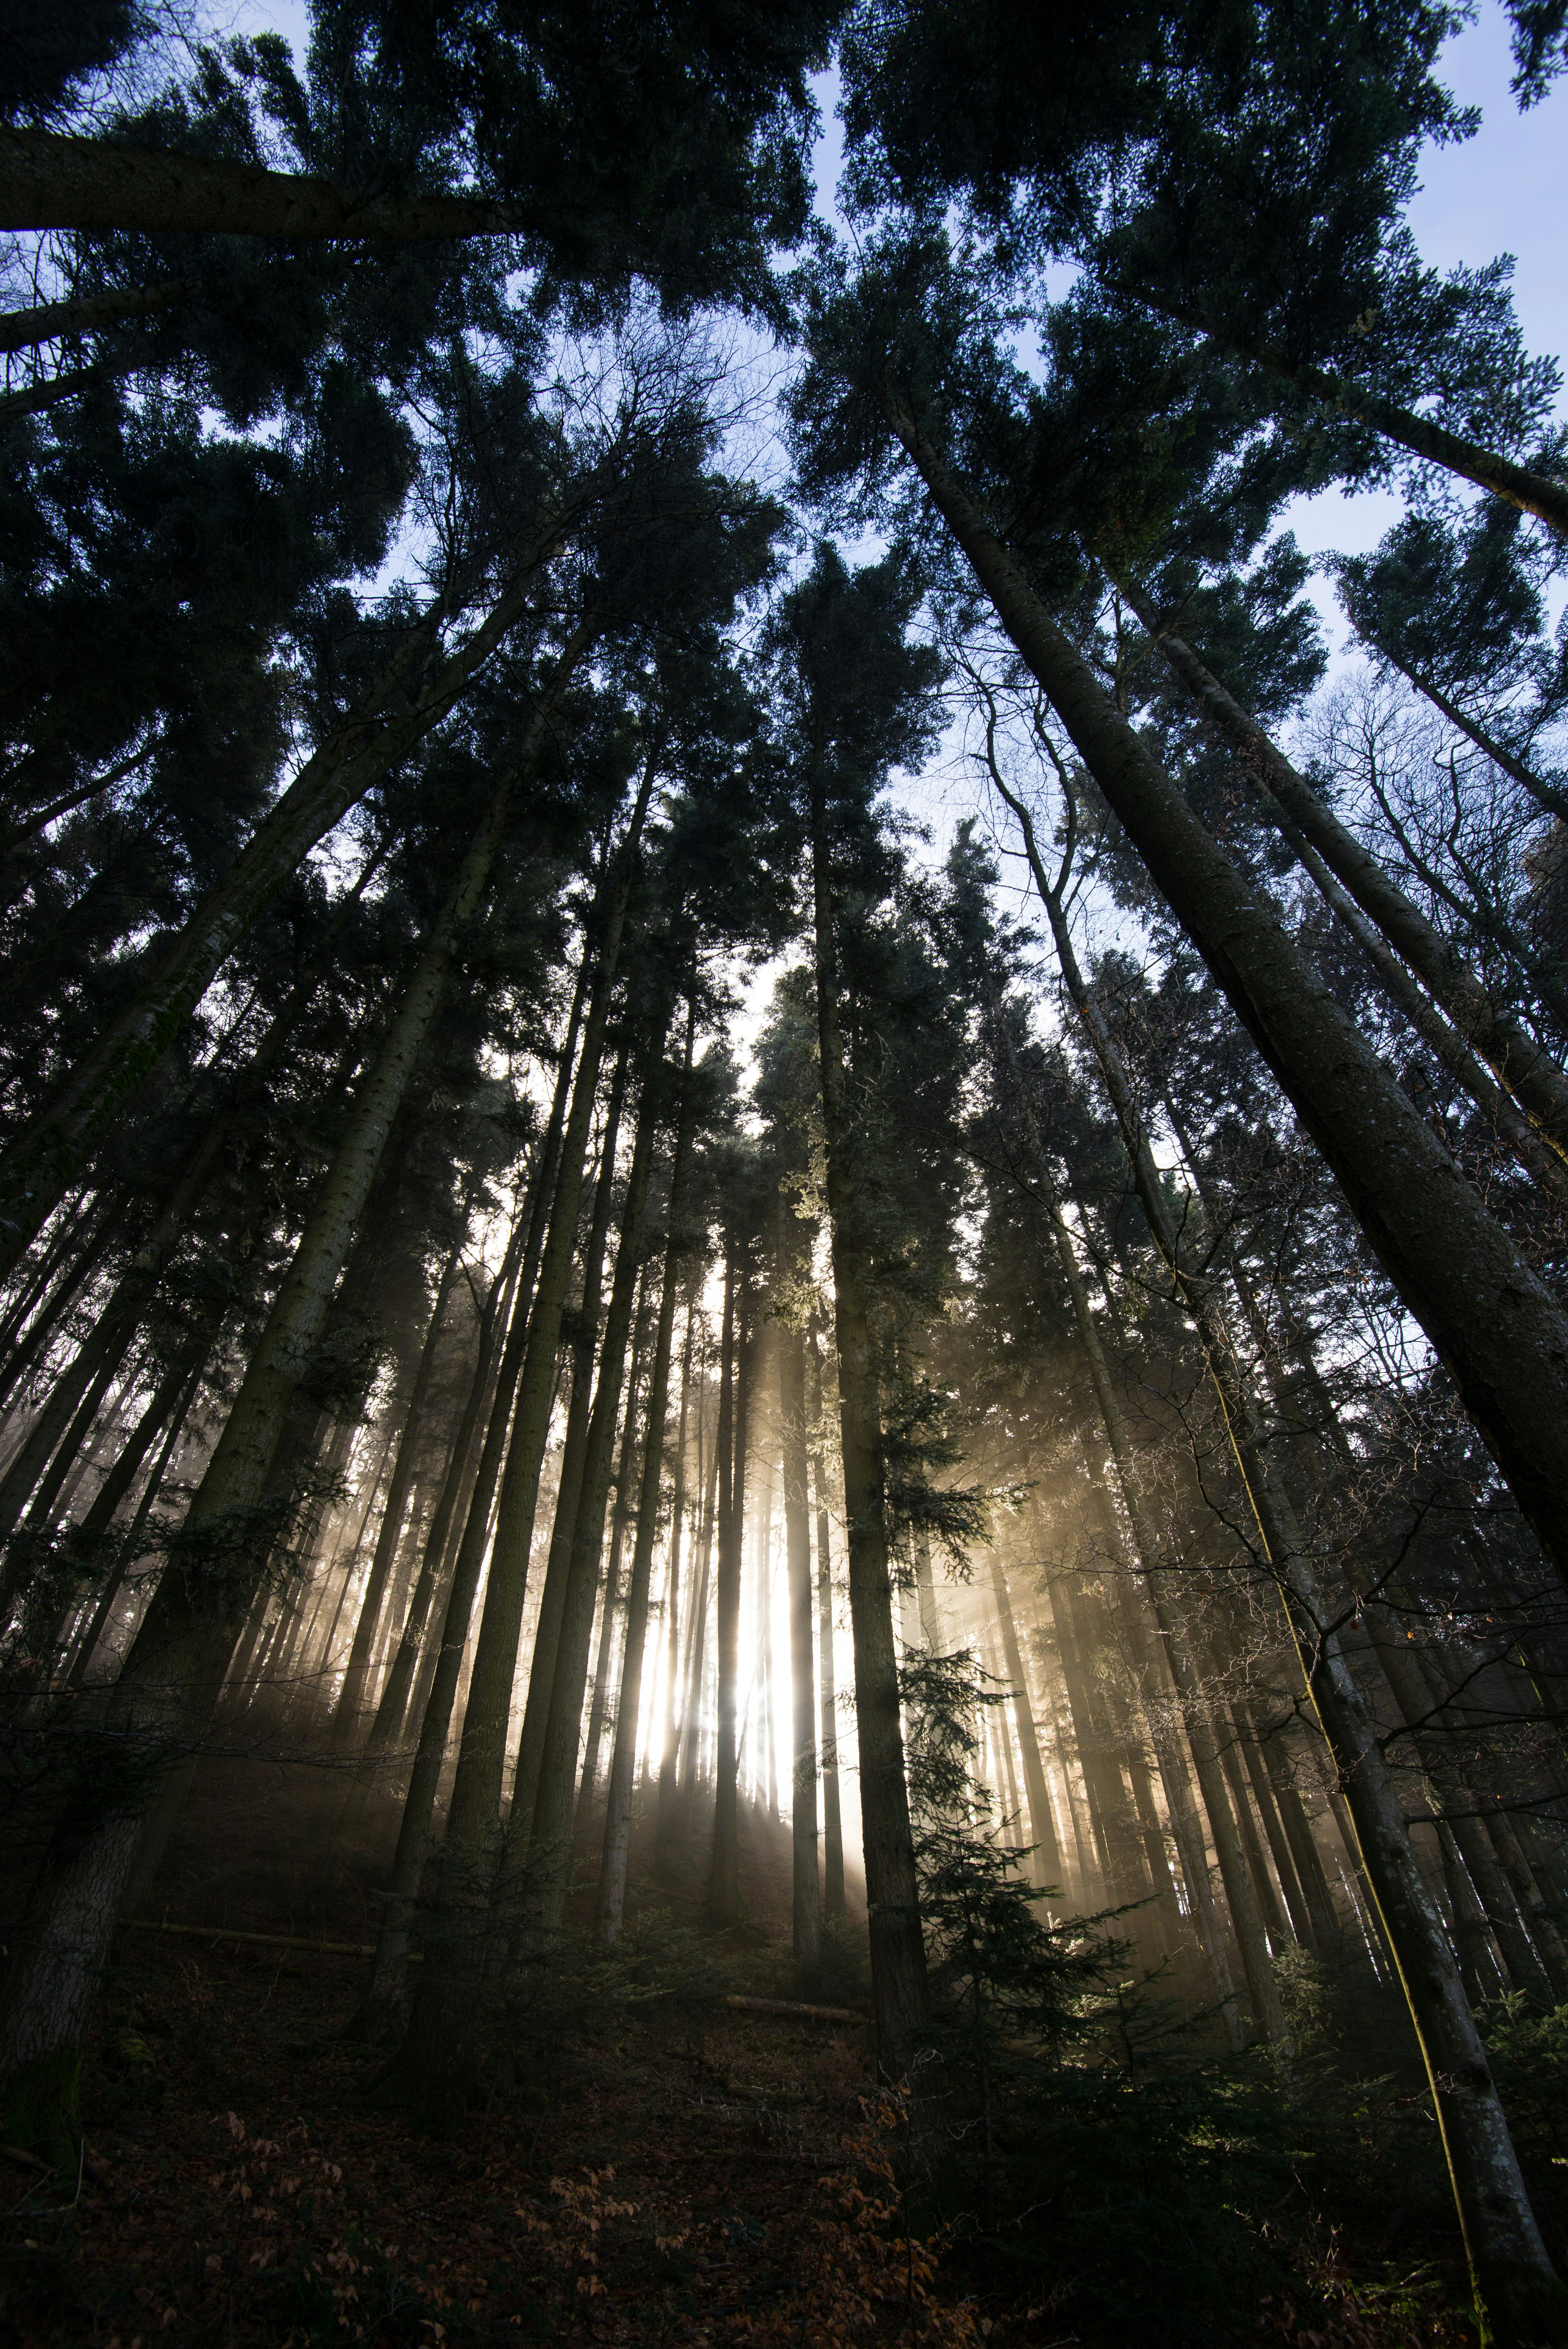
(1504, 190)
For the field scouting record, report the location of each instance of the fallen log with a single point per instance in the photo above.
(273, 1941)
(792, 2007)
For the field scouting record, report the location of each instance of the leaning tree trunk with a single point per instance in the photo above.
(900, 1998)
(175, 1665)
(1503, 1336)
(1517, 485)
(1519, 1063)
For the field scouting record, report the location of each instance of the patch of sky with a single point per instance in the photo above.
(1503, 191)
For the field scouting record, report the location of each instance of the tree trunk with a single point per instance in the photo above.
(697, 1662)
(346, 1722)
(1521, 1067)
(899, 1991)
(724, 1872)
(611, 1906)
(833, 1813)
(1046, 1856)
(806, 1904)
(669, 1811)
(569, 1487)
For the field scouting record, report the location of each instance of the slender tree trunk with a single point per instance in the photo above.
(806, 1906)
(724, 1873)
(611, 1907)
(833, 1813)
(569, 1488)
(669, 1831)
(691, 1757)
(1045, 1858)
(899, 1991)
(346, 1722)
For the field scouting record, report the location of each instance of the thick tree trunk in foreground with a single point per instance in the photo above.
(1501, 1335)
(899, 1991)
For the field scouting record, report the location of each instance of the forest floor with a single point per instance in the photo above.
(685, 2174)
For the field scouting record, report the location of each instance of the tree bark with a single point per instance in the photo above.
(899, 1991)
(669, 1810)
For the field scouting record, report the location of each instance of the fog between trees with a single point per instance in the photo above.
(1007, 1484)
